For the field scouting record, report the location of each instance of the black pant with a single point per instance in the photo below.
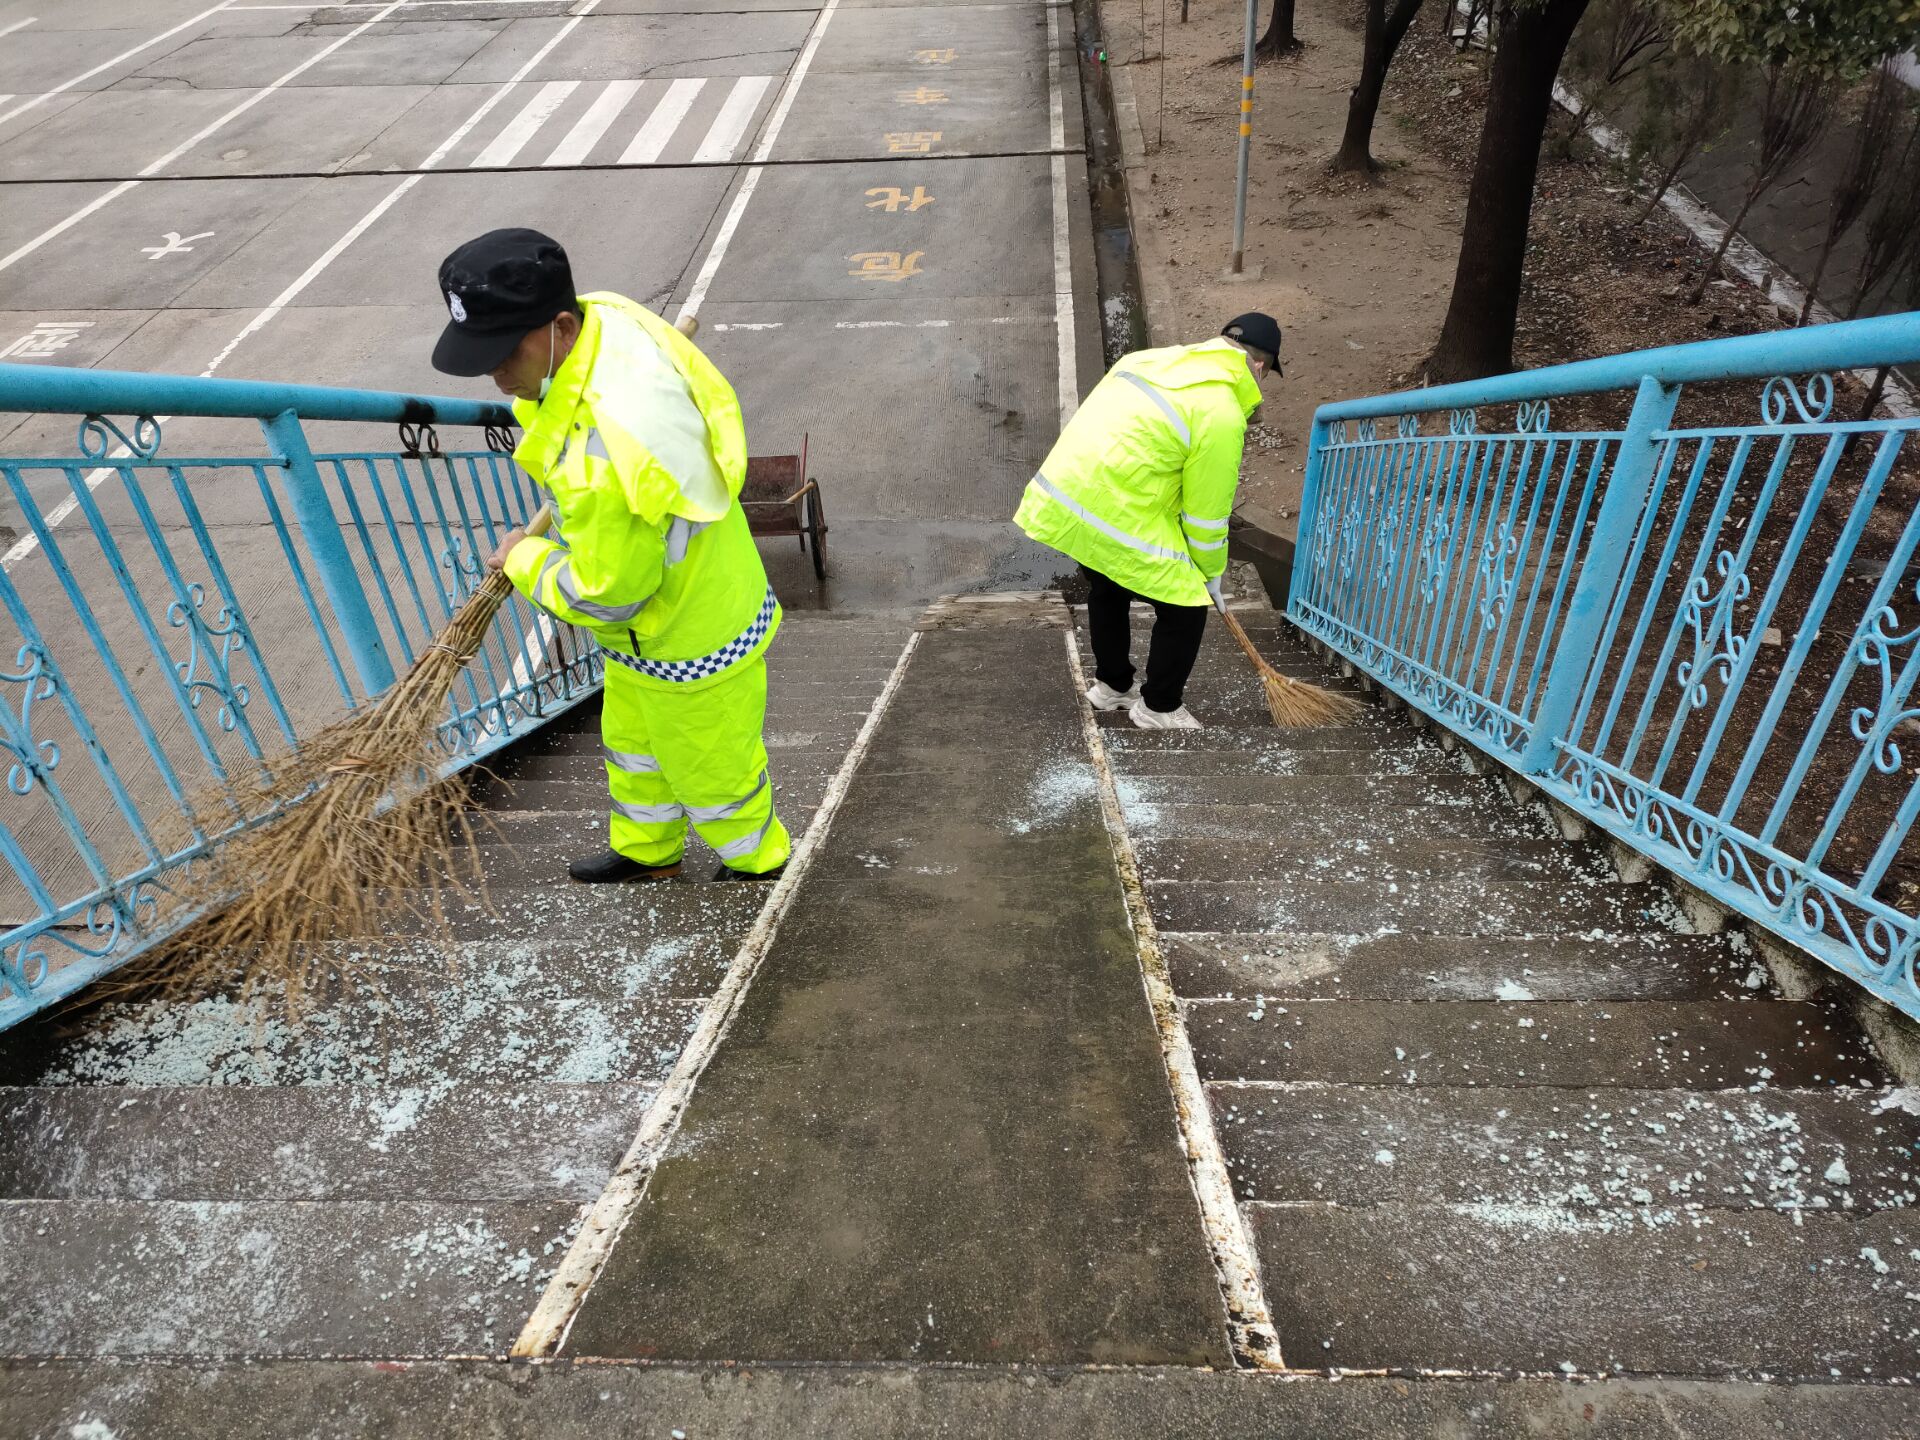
(1170, 655)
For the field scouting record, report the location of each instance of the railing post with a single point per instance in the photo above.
(1309, 503)
(1621, 506)
(328, 546)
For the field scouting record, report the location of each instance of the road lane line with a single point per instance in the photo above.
(734, 117)
(546, 1329)
(519, 130)
(6, 30)
(45, 95)
(742, 197)
(665, 119)
(1066, 351)
(586, 133)
(174, 154)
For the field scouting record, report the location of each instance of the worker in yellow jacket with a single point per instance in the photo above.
(639, 443)
(1138, 489)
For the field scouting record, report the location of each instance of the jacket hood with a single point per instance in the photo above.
(1209, 363)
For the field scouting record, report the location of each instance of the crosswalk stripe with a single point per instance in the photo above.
(666, 118)
(734, 117)
(591, 126)
(521, 128)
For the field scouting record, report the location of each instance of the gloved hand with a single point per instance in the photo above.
(1219, 595)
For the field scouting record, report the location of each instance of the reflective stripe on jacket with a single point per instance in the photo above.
(1141, 482)
(641, 448)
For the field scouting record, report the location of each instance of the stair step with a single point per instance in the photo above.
(1410, 759)
(592, 915)
(463, 1035)
(1384, 793)
(444, 1141)
(1701, 1044)
(1437, 967)
(1622, 1152)
(1370, 730)
(1309, 820)
(1460, 905)
(668, 967)
(1515, 1287)
(1378, 863)
(118, 1277)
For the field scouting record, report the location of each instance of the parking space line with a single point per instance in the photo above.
(255, 98)
(6, 30)
(661, 124)
(535, 113)
(734, 115)
(45, 95)
(586, 133)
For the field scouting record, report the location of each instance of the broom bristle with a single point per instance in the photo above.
(1296, 704)
(353, 836)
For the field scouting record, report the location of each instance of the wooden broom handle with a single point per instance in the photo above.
(542, 521)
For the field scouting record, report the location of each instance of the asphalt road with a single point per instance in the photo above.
(877, 210)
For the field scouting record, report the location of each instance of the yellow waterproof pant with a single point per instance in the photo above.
(674, 756)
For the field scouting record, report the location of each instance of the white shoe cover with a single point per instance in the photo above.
(1103, 696)
(1145, 719)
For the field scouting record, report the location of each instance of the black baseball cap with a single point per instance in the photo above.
(1256, 332)
(498, 289)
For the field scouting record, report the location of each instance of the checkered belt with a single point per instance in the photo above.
(700, 667)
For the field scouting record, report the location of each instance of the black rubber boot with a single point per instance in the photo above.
(610, 867)
(728, 873)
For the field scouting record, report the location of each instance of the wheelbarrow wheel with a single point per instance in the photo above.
(817, 533)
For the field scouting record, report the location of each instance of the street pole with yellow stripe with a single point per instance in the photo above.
(1246, 144)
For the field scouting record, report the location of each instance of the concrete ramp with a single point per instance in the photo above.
(940, 1128)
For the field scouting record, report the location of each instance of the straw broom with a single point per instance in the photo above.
(1292, 703)
(350, 832)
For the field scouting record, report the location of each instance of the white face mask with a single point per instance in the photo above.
(547, 384)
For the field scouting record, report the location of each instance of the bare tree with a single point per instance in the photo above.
(1796, 108)
(1685, 107)
(1628, 39)
(1279, 38)
(1876, 135)
(1893, 226)
(1907, 288)
(1385, 29)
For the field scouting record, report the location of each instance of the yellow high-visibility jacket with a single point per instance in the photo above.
(1141, 481)
(650, 548)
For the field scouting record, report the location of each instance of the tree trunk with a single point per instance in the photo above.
(1384, 33)
(1279, 39)
(1874, 393)
(1819, 274)
(1477, 338)
(1667, 177)
(1699, 291)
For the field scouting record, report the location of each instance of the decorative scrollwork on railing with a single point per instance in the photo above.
(23, 965)
(98, 435)
(500, 439)
(419, 442)
(463, 563)
(225, 628)
(1408, 426)
(1433, 556)
(1874, 648)
(1497, 576)
(1462, 422)
(1349, 542)
(1533, 417)
(1714, 640)
(1386, 538)
(1811, 399)
(32, 759)
(1337, 432)
(1366, 430)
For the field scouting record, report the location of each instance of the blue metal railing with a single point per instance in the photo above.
(1692, 613)
(174, 618)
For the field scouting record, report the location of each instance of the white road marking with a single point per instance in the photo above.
(173, 243)
(734, 117)
(665, 119)
(546, 1329)
(535, 113)
(45, 95)
(100, 202)
(8, 30)
(1236, 1266)
(710, 267)
(1066, 351)
(586, 133)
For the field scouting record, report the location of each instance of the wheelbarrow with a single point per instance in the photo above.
(780, 498)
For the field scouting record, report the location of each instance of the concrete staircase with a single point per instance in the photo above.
(1489, 1108)
(1512, 1153)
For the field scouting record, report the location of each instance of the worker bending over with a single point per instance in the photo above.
(1138, 489)
(639, 443)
